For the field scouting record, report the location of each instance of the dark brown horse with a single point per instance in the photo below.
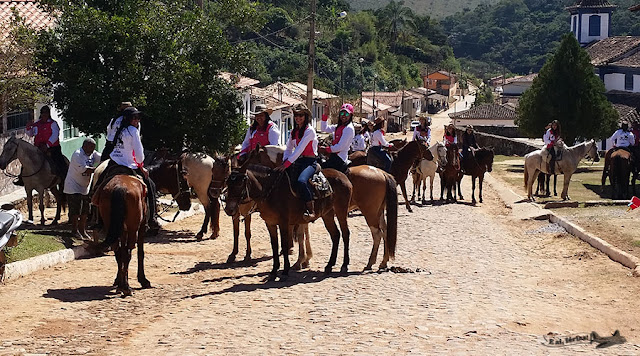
(122, 205)
(166, 174)
(450, 173)
(407, 155)
(621, 164)
(279, 208)
(358, 158)
(475, 165)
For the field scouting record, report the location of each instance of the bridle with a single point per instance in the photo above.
(244, 197)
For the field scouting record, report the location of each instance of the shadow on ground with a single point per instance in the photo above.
(82, 294)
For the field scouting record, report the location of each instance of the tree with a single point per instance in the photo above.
(165, 57)
(567, 90)
(484, 96)
(20, 84)
(395, 17)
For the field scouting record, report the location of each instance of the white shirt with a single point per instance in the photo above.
(417, 135)
(377, 139)
(274, 137)
(549, 137)
(342, 147)
(113, 127)
(76, 183)
(622, 138)
(129, 151)
(358, 143)
(294, 150)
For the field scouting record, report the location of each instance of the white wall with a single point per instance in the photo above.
(516, 88)
(604, 28)
(636, 83)
(477, 122)
(614, 81)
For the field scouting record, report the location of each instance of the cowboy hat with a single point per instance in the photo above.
(469, 127)
(301, 107)
(260, 108)
(379, 119)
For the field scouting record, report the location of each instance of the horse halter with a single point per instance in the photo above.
(233, 179)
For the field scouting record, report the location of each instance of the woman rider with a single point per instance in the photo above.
(343, 134)
(422, 132)
(127, 156)
(378, 141)
(301, 157)
(263, 131)
(450, 137)
(550, 138)
(468, 141)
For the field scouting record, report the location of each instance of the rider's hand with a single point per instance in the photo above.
(145, 172)
(280, 168)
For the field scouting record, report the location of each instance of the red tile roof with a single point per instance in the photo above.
(612, 49)
(33, 16)
(487, 112)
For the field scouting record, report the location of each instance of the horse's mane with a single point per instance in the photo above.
(159, 162)
(259, 170)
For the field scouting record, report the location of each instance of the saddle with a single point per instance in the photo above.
(321, 187)
(373, 160)
(106, 177)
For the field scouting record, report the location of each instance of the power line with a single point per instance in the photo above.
(272, 33)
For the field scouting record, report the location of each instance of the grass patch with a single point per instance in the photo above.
(33, 244)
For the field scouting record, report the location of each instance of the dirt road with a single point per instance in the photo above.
(481, 283)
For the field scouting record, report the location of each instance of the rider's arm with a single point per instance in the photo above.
(138, 150)
(378, 136)
(614, 138)
(416, 134)
(325, 127)
(428, 136)
(274, 135)
(308, 136)
(348, 133)
(245, 143)
(289, 150)
(547, 137)
(55, 134)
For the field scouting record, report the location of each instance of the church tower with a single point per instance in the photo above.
(590, 20)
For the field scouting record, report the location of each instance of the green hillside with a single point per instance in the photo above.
(434, 8)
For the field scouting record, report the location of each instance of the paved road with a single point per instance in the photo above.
(481, 283)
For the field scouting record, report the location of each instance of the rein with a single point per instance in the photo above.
(24, 176)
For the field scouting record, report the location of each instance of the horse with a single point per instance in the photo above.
(621, 163)
(357, 158)
(122, 205)
(280, 208)
(450, 173)
(37, 174)
(197, 171)
(399, 142)
(268, 156)
(571, 157)
(401, 165)
(166, 174)
(543, 184)
(475, 166)
(427, 169)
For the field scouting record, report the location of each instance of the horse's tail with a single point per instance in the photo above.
(118, 212)
(392, 215)
(526, 174)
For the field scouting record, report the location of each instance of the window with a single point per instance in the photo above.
(68, 131)
(18, 120)
(573, 25)
(628, 82)
(594, 25)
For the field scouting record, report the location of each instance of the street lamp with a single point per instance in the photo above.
(361, 60)
(375, 76)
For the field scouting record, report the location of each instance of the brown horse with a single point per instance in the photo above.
(412, 151)
(450, 173)
(358, 158)
(621, 164)
(475, 165)
(122, 205)
(279, 208)
(166, 174)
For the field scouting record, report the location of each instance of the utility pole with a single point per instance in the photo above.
(312, 54)
(361, 60)
(342, 71)
(374, 96)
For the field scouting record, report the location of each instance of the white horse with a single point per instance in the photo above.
(197, 171)
(37, 174)
(427, 169)
(571, 157)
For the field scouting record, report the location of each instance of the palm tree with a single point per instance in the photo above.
(395, 18)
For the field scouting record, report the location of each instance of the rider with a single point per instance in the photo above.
(450, 137)
(262, 131)
(422, 132)
(47, 139)
(343, 134)
(112, 127)
(127, 158)
(378, 141)
(302, 156)
(550, 138)
(623, 138)
(359, 143)
(468, 141)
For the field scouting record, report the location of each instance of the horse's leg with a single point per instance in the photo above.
(118, 281)
(41, 205)
(58, 195)
(555, 182)
(30, 203)
(565, 189)
(247, 237)
(144, 282)
(273, 235)
(481, 179)
(530, 179)
(332, 228)
(125, 273)
(284, 240)
(215, 219)
(473, 189)
(294, 231)
(431, 186)
(404, 195)
(441, 187)
(416, 181)
(538, 185)
(460, 190)
(236, 233)
(205, 224)
(307, 241)
(346, 234)
(385, 255)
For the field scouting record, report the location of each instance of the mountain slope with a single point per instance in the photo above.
(434, 8)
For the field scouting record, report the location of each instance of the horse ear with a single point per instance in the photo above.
(13, 134)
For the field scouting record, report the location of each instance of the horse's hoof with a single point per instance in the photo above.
(127, 293)
(368, 268)
(473, 201)
(327, 270)
(296, 266)
(145, 284)
(410, 210)
(213, 237)
(305, 265)
(480, 200)
(272, 277)
(199, 236)
(382, 268)
(247, 258)
(231, 258)
(284, 278)
(54, 222)
(344, 270)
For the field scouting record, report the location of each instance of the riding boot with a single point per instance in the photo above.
(152, 222)
(309, 215)
(552, 166)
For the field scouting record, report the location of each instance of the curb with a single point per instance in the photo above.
(23, 268)
(506, 195)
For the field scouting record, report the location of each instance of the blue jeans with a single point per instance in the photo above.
(383, 156)
(307, 167)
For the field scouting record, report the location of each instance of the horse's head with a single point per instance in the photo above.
(441, 153)
(592, 151)
(237, 191)
(219, 173)
(484, 156)
(9, 152)
(166, 174)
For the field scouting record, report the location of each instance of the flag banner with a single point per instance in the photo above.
(634, 203)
